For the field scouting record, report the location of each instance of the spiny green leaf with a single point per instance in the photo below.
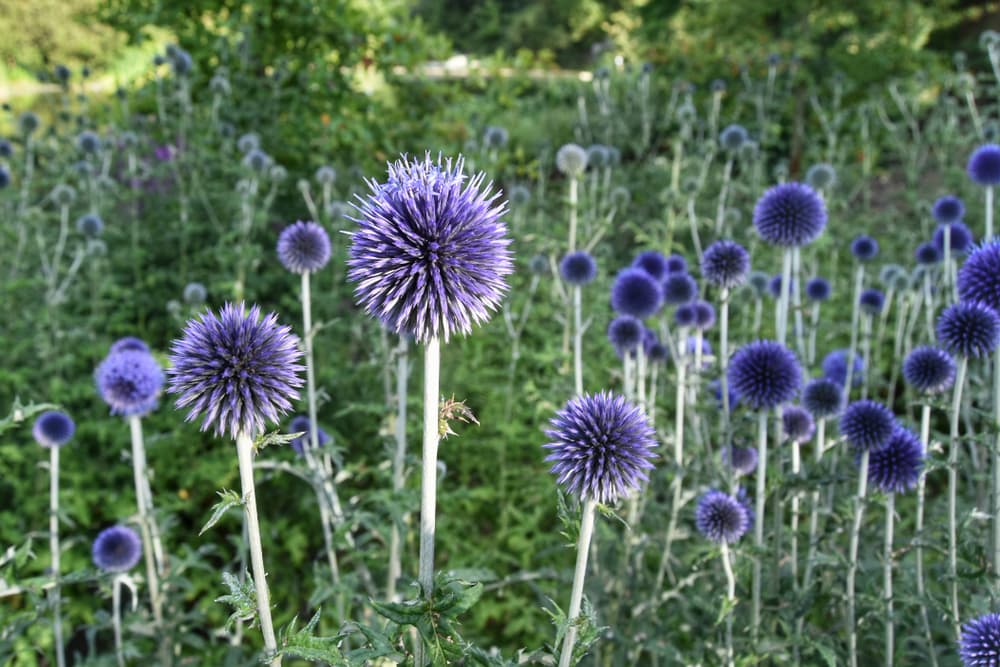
(242, 598)
(229, 499)
(303, 644)
(274, 438)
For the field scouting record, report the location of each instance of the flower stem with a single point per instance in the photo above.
(730, 602)
(887, 578)
(796, 501)
(989, 212)
(758, 524)
(116, 618)
(956, 406)
(800, 340)
(398, 462)
(146, 527)
(852, 565)
(781, 326)
(577, 343)
(925, 431)
(55, 594)
(995, 477)
(576, 597)
(852, 352)
(814, 509)
(428, 478)
(724, 381)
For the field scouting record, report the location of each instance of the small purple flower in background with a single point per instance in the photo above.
(765, 374)
(823, 398)
(979, 276)
(948, 209)
(864, 248)
(571, 159)
(704, 315)
(625, 333)
(725, 264)
(6, 148)
(834, 368)
(927, 253)
(929, 370)
(676, 264)
(53, 429)
(653, 263)
(129, 343)
(679, 288)
(871, 301)
(578, 268)
(303, 247)
(635, 292)
(116, 549)
(165, 153)
(867, 425)
(5, 177)
(88, 142)
(896, 466)
(797, 424)
(431, 251)
(90, 225)
(818, 289)
(686, 315)
(742, 459)
(789, 215)
(984, 165)
(960, 238)
(721, 518)
(758, 282)
(300, 424)
(821, 176)
(979, 645)
(774, 286)
(969, 329)
(733, 137)
(130, 382)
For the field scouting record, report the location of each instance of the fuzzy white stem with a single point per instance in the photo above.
(887, 579)
(989, 213)
(796, 469)
(859, 279)
(814, 509)
(730, 600)
(758, 524)
(800, 341)
(925, 431)
(577, 342)
(139, 475)
(428, 477)
(956, 407)
(116, 618)
(54, 592)
(852, 565)
(576, 597)
(782, 306)
(398, 462)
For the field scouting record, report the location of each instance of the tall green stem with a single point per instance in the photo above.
(428, 477)
(398, 462)
(143, 504)
(576, 597)
(578, 343)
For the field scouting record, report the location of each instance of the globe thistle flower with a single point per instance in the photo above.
(636, 293)
(797, 424)
(431, 252)
(725, 264)
(116, 549)
(326, 175)
(871, 301)
(676, 264)
(597, 156)
(749, 151)
(721, 518)
(53, 428)
(686, 315)
(90, 225)
(758, 282)
(969, 329)
(743, 460)
(625, 333)
(129, 344)
(927, 254)
(774, 286)
(867, 425)
(27, 123)
(601, 447)
(519, 196)
(789, 215)
(979, 644)
(929, 370)
(257, 160)
(130, 382)
(895, 467)
(765, 374)
(538, 265)
(686, 113)
(495, 137)
(62, 73)
(984, 165)
(571, 160)
(679, 288)
(181, 63)
(303, 247)
(578, 268)
(5, 177)
(948, 209)
(63, 195)
(236, 369)
(653, 263)
(300, 424)
(620, 197)
(657, 352)
(834, 366)
(823, 398)
(960, 237)
(732, 137)
(195, 294)
(821, 176)
(864, 248)
(890, 273)
(277, 173)
(6, 148)
(717, 86)
(979, 277)
(704, 315)
(88, 142)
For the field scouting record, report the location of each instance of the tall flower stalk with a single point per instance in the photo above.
(117, 550)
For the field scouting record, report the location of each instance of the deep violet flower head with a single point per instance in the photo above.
(725, 264)
(686, 315)
(948, 209)
(676, 264)
(765, 374)
(871, 301)
(969, 329)
(303, 247)
(90, 225)
(818, 289)
(984, 165)
(5, 177)
(431, 253)
(979, 644)
(979, 275)
(300, 424)
(867, 424)
(53, 428)
(960, 237)
(864, 248)
(128, 343)
(821, 176)
(732, 137)
(797, 424)
(653, 263)
(88, 142)
(636, 293)
(130, 382)
(704, 315)
(238, 370)
(823, 398)
(721, 518)
(895, 467)
(679, 288)
(116, 549)
(929, 370)
(927, 254)
(834, 367)
(571, 159)
(578, 268)
(625, 333)
(742, 459)
(601, 447)
(774, 286)
(789, 215)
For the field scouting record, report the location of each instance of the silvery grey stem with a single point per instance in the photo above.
(866, 347)
(781, 325)
(859, 279)
(925, 432)
(577, 343)
(398, 462)
(995, 465)
(852, 563)
(989, 212)
(730, 600)
(887, 579)
(724, 379)
(720, 211)
(576, 597)
(800, 340)
(139, 475)
(54, 593)
(307, 337)
(244, 452)
(796, 470)
(813, 329)
(758, 524)
(814, 509)
(573, 201)
(116, 618)
(953, 446)
(428, 477)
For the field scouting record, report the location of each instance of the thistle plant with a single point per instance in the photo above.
(984, 170)
(577, 269)
(798, 427)
(864, 249)
(817, 291)
(979, 641)
(116, 550)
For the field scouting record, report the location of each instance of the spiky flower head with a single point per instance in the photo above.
(979, 275)
(821, 176)
(960, 238)
(53, 428)
(257, 160)
(88, 142)
(300, 424)
(653, 263)
(431, 253)
(63, 195)
(742, 459)
(676, 264)
(927, 254)
(725, 264)
(704, 315)
(774, 286)
(116, 549)
(686, 315)
(834, 366)
(871, 301)
(984, 165)
(6, 148)
(238, 370)
(679, 288)
(867, 424)
(864, 248)
(598, 156)
(797, 424)
(90, 225)
(578, 268)
(758, 282)
(28, 122)
(969, 329)
(601, 447)
(571, 160)
(895, 467)
(721, 518)
(304, 247)
(733, 137)
(130, 382)
(929, 369)
(818, 289)
(636, 293)
(948, 209)
(789, 215)
(979, 643)
(495, 137)
(625, 333)
(519, 195)
(823, 398)
(765, 374)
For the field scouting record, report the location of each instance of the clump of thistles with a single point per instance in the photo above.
(867, 425)
(969, 329)
(928, 369)
(303, 247)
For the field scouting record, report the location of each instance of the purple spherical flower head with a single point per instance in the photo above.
(818, 289)
(895, 466)
(725, 264)
(5, 177)
(774, 286)
(732, 137)
(742, 459)
(300, 424)
(823, 398)
(601, 447)
(237, 369)
(928, 369)
(676, 264)
(303, 247)
(649, 340)
(636, 293)
(864, 248)
(765, 374)
(686, 315)
(715, 386)
(969, 329)
(948, 209)
(53, 429)
(129, 343)
(721, 518)
(797, 424)
(653, 263)
(867, 425)
(130, 382)
(578, 268)
(679, 288)
(984, 165)
(625, 333)
(789, 215)
(117, 549)
(834, 367)
(979, 644)
(704, 315)
(960, 237)
(927, 253)
(979, 275)
(871, 301)
(431, 253)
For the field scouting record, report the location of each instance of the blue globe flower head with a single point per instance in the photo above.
(90, 225)
(758, 281)
(896, 466)
(325, 175)
(969, 329)
(578, 268)
(834, 367)
(774, 286)
(598, 156)
(960, 237)
(984, 165)
(658, 353)
(237, 370)
(742, 459)
(733, 137)
(128, 343)
(304, 247)
(685, 315)
(867, 425)
(257, 160)
(725, 264)
(625, 333)
(927, 254)
(679, 288)
(948, 209)
(979, 275)
(88, 142)
(929, 370)
(5, 177)
(53, 428)
(649, 340)
(130, 382)
(717, 86)
(871, 301)
(789, 215)
(519, 196)
(676, 264)
(823, 398)
(979, 644)
(818, 289)
(538, 265)
(62, 73)
(495, 137)
(300, 424)
(715, 386)
(692, 348)
(864, 248)
(28, 123)
(636, 293)
(797, 424)
(571, 160)
(600, 447)
(653, 263)
(116, 549)
(704, 315)
(821, 176)
(765, 374)
(721, 518)
(6, 148)
(431, 254)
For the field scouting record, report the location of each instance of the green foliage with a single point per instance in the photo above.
(242, 597)
(229, 500)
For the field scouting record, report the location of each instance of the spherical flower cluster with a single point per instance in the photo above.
(721, 518)
(818, 289)
(90, 225)
(765, 374)
(928, 369)
(304, 247)
(774, 286)
(742, 459)
(895, 467)
(6, 148)
(495, 137)
(679, 288)
(979, 276)
(325, 175)
(129, 381)
(823, 398)
(625, 333)
(704, 315)
(948, 209)
(676, 264)
(5, 177)
(117, 549)
(821, 176)
(88, 142)
(733, 137)
(257, 160)
(578, 268)
(984, 165)
(53, 428)
(300, 424)
(960, 238)
(834, 367)
(571, 160)
(653, 263)
(725, 264)
(237, 369)
(797, 424)
(128, 343)
(28, 122)
(969, 329)
(927, 254)
(636, 293)
(686, 315)
(519, 195)
(195, 294)
(790, 215)
(431, 253)
(601, 447)
(871, 301)
(979, 644)
(598, 156)
(867, 424)
(864, 248)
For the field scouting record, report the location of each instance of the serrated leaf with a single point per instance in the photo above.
(242, 598)
(229, 499)
(274, 438)
(407, 612)
(303, 644)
